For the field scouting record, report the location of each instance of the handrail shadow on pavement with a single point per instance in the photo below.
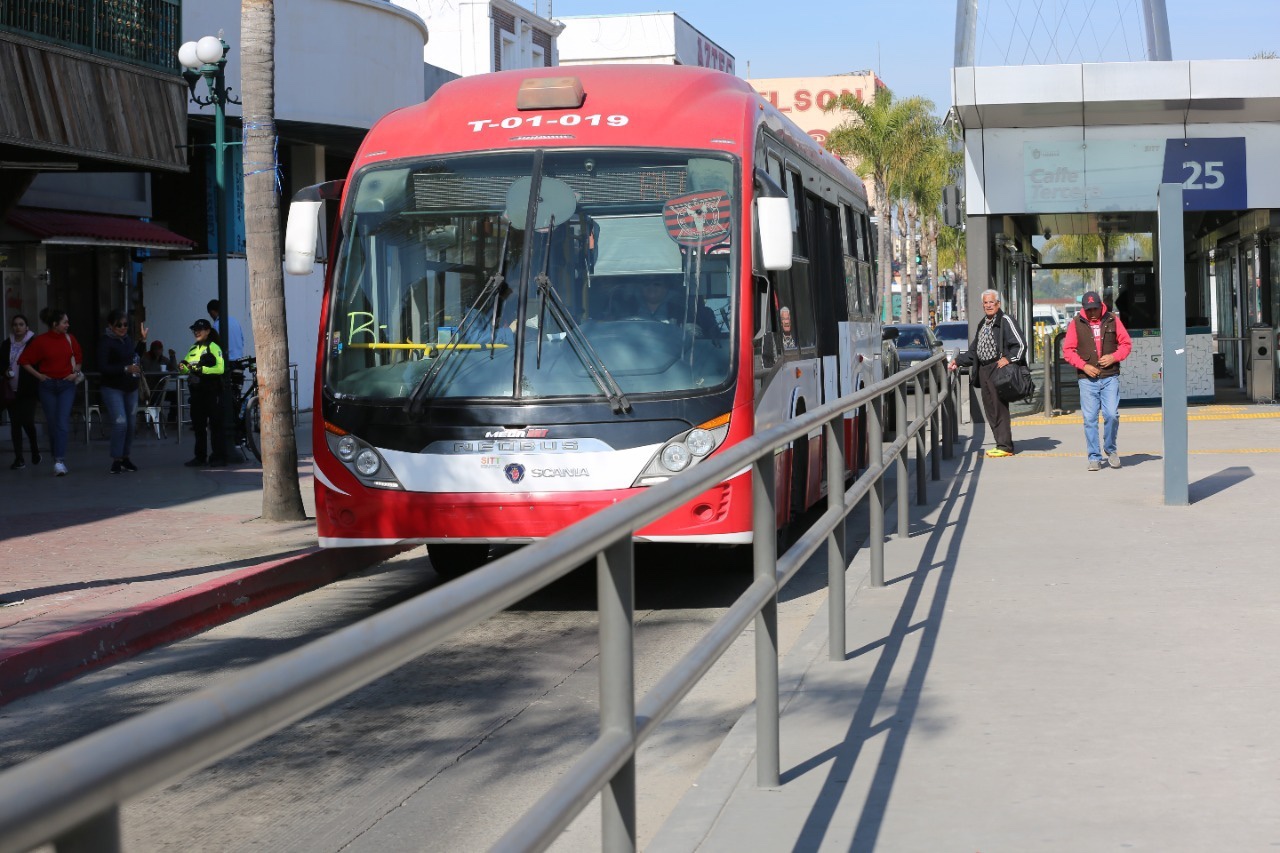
(952, 513)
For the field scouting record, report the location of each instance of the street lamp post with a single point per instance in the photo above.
(207, 59)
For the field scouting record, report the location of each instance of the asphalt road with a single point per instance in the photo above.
(448, 751)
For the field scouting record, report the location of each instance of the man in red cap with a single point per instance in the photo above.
(1095, 344)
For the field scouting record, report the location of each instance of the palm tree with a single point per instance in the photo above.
(882, 136)
(281, 495)
(931, 171)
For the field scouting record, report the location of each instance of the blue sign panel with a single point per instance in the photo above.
(1211, 171)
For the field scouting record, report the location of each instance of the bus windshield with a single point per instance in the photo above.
(534, 275)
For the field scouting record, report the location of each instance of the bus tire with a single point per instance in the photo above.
(451, 560)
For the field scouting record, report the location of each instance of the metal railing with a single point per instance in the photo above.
(71, 795)
(140, 32)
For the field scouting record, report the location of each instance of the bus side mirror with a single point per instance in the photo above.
(302, 231)
(300, 236)
(773, 220)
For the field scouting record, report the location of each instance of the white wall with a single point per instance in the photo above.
(1119, 167)
(618, 38)
(462, 33)
(661, 38)
(340, 62)
(176, 293)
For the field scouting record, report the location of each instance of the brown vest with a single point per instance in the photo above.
(1084, 343)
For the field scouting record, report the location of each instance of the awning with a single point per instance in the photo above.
(61, 227)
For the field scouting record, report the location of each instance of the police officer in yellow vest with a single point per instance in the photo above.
(204, 366)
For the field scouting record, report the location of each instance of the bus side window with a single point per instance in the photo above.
(849, 248)
(868, 283)
(799, 228)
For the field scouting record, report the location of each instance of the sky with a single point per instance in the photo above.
(911, 43)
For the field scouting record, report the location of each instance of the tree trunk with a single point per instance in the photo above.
(931, 241)
(281, 495)
(906, 276)
(884, 249)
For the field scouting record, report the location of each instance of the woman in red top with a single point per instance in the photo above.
(55, 360)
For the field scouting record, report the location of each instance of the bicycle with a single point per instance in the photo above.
(248, 420)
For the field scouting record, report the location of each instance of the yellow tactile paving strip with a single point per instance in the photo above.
(1197, 413)
(1155, 453)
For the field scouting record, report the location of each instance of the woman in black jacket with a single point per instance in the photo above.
(19, 391)
(118, 362)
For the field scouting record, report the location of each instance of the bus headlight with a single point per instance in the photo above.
(684, 450)
(367, 462)
(360, 458)
(700, 442)
(675, 457)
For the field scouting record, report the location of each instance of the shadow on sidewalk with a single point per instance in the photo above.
(897, 719)
(1207, 487)
(40, 592)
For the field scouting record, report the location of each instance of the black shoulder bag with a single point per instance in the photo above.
(1013, 381)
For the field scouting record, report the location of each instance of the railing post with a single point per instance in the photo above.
(875, 506)
(1048, 376)
(615, 583)
(935, 420)
(922, 491)
(836, 563)
(764, 521)
(947, 386)
(98, 834)
(900, 462)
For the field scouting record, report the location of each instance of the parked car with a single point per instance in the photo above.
(1047, 315)
(889, 364)
(954, 335)
(915, 342)
(889, 361)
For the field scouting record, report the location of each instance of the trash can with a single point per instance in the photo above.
(1262, 364)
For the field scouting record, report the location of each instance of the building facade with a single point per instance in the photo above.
(657, 38)
(77, 73)
(491, 35)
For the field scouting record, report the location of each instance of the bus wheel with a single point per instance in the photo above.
(453, 560)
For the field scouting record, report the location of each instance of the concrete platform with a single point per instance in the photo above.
(1058, 661)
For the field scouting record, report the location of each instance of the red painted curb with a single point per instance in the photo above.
(59, 657)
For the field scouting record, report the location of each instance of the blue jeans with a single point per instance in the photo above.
(1101, 393)
(120, 407)
(56, 397)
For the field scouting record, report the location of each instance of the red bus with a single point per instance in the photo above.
(551, 288)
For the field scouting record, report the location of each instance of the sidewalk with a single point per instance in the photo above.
(95, 565)
(1058, 661)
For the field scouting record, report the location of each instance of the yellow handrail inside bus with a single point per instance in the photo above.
(427, 347)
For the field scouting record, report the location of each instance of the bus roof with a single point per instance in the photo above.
(644, 106)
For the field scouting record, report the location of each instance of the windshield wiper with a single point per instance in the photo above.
(582, 348)
(496, 287)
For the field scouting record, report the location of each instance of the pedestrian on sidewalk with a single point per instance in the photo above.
(56, 361)
(155, 361)
(120, 362)
(996, 342)
(1095, 344)
(230, 339)
(204, 365)
(19, 392)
